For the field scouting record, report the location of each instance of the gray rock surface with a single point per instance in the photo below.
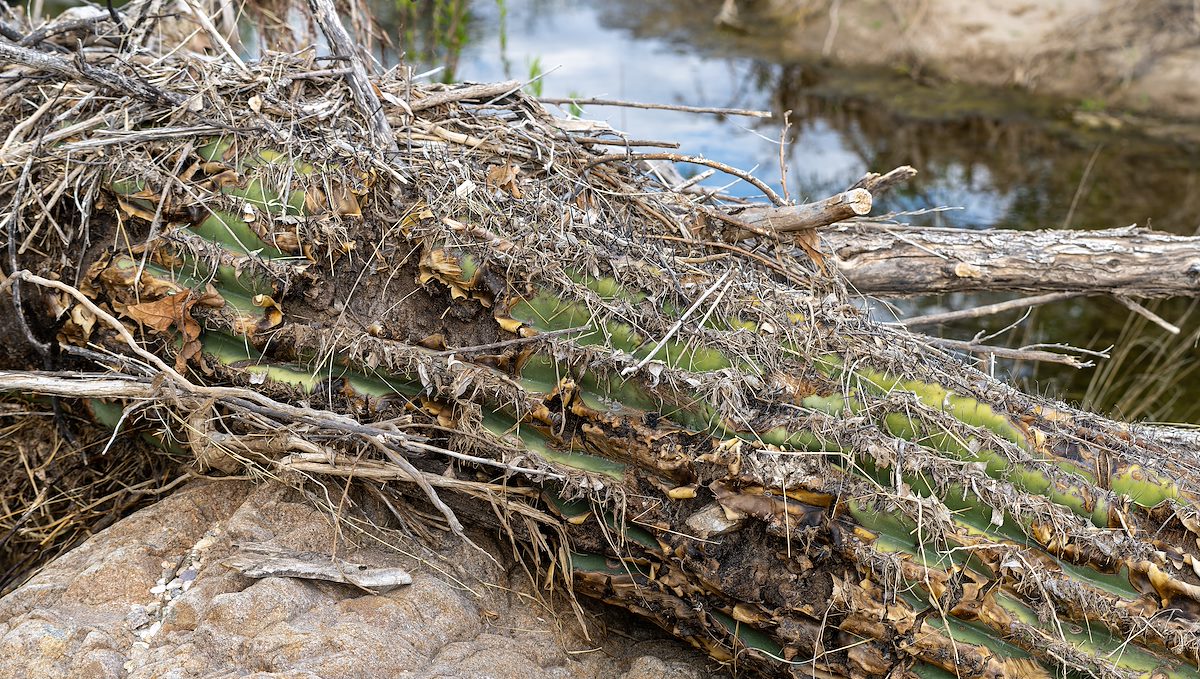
(150, 597)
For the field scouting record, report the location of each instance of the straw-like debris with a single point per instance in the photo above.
(672, 407)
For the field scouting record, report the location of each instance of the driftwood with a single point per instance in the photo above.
(78, 69)
(266, 561)
(785, 220)
(365, 98)
(886, 260)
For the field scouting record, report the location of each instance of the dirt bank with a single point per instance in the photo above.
(1129, 55)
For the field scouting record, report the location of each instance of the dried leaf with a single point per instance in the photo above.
(810, 242)
(84, 318)
(505, 177)
(508, 324)
(343, 202)
(439, 264)
(160, 314)
(133, 209)
(176, 309)
(274, 312)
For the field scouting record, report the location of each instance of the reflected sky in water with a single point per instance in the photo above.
(1015, 168)
(587, 57)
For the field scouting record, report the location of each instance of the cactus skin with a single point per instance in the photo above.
(980, 547)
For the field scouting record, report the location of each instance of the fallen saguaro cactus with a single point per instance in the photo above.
(484, 321)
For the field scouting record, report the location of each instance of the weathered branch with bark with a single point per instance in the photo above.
(806, 216)
(890, 260)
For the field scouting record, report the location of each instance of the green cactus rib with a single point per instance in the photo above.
(604, 390)
(535, 442)
(1102, 571)
(545, 312)
(1140, 486)
(747, 635)
(631, 394)
(223, 150)
(231, 351)
(234, 233)
(1089, 635)
(1086, 641)
(1110, 595)
(243, 275)
(1079, 498)
(224, 227)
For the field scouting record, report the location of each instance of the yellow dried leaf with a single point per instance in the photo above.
(682, 493)
(508, 324)
(274, 312)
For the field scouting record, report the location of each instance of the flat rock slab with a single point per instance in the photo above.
(153, 596)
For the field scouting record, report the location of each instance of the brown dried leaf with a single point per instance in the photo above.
(344, 202)
(810, 242)
(339, 200)
(176, 309)
(505, 177)
(160, 314)
(439, 264)
(133, 209)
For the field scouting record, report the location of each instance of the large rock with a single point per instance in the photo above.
(150, 597)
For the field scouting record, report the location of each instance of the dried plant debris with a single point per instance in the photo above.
(495, 320)
(59, 485)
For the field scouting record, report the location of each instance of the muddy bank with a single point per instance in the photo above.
(1104, 55)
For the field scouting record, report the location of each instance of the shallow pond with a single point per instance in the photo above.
(999, 158)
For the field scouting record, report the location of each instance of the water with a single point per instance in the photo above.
(1001, 159)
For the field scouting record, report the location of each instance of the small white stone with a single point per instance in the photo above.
(137, 616)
